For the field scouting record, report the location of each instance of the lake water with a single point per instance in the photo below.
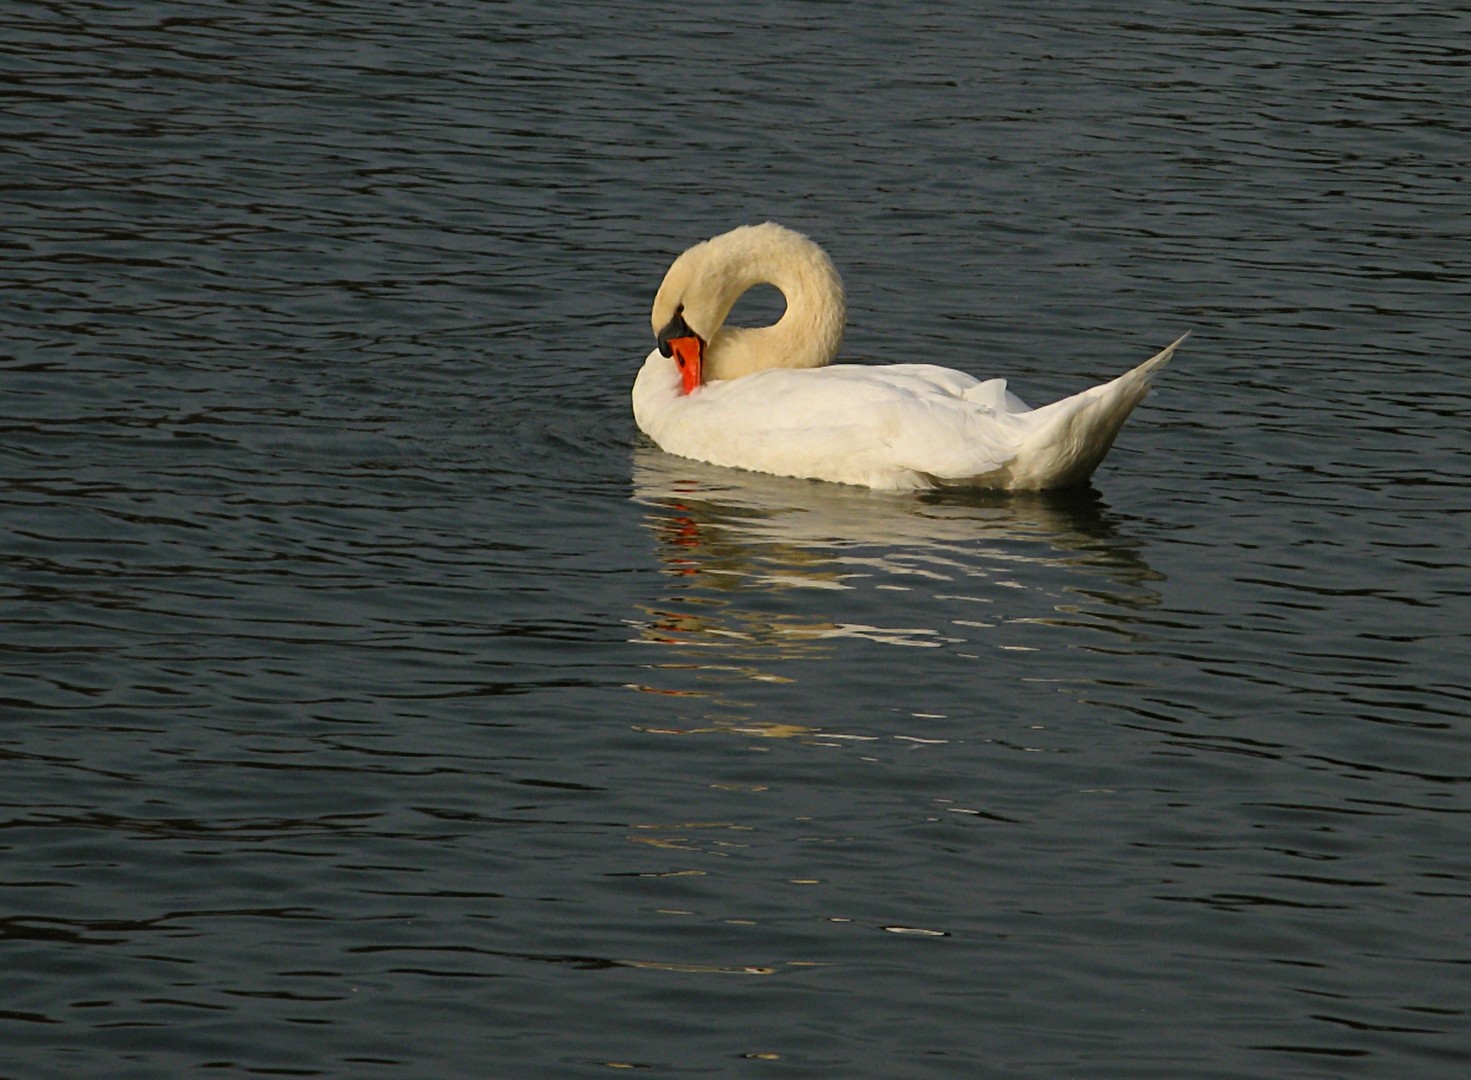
(376, 702)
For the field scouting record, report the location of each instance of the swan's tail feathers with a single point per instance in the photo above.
(1069, 439)
(1147, 369)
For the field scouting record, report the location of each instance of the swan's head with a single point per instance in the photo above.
(690, 307)
(705, 282)
(680, 340)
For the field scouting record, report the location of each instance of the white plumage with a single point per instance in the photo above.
(774, 404)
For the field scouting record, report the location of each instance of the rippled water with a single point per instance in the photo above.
(377, 703)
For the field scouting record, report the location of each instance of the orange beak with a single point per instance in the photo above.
(689, 354)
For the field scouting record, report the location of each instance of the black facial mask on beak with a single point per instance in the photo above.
(674, 328)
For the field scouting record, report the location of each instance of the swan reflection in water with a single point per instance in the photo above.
(753, 561)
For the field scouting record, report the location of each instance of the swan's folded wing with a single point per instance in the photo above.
(896, 426)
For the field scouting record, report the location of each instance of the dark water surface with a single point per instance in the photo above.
(374, 702)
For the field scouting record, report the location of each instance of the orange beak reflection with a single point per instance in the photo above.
(689, 354)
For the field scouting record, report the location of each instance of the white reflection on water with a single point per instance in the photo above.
(768, 573)
(779, 532)
(809, 523)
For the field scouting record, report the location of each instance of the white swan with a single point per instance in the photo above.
(766, 399)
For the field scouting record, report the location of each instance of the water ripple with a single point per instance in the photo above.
(364, 676)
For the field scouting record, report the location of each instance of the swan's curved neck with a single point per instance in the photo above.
(807, 334)
(705, 282)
